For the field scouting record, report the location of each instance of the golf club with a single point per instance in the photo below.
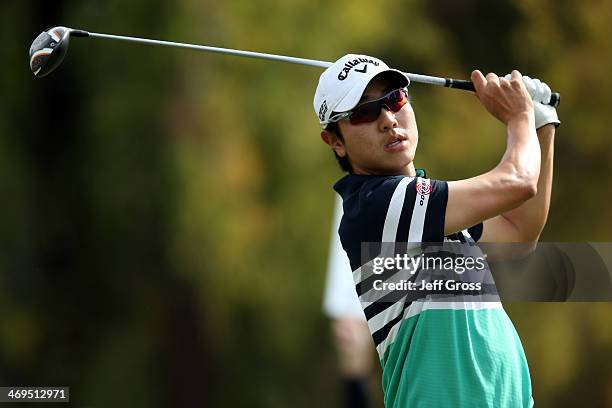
(50, 47)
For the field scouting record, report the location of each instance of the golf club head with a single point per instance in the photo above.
(48, 50)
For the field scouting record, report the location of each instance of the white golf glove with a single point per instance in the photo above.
(540, 95)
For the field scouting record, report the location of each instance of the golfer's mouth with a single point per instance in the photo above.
(396, 143)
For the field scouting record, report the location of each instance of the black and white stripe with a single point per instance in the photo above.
(385, 315)
(414, 210)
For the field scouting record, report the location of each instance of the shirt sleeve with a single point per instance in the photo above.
(436, 212)
(476, 231)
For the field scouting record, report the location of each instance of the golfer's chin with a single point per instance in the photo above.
(386, 163)
(400, 162)
(392, 166)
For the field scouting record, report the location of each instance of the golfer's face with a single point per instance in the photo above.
(386, 145)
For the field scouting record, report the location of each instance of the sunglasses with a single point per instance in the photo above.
(369, 111)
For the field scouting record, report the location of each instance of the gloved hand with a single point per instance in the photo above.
(540, 95)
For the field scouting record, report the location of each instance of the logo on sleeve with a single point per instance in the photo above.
(423, 188)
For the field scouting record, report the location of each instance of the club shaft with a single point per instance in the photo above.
(419, 78)
(250, 54)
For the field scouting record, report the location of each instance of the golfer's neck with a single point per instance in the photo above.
(409, 170)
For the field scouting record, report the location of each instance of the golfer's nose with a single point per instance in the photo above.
(387, 119)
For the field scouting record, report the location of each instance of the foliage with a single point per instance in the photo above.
(165, 214)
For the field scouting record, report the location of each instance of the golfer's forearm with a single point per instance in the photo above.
(520, 165)
(530, 217)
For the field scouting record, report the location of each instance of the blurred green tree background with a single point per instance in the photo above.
(165, 214)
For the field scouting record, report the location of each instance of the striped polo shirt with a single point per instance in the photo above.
(455, 352)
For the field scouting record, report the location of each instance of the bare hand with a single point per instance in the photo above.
(505, 99)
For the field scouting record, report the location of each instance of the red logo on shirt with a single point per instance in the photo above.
(423, 188)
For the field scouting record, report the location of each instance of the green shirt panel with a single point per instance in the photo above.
(457, 358)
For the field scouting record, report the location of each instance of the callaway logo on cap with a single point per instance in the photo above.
(342, 84)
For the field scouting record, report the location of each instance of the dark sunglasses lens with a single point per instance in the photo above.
(369, 111)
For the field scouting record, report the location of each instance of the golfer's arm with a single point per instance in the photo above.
(526, 222)
(512, 182)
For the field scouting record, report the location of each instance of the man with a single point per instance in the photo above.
(444, 354)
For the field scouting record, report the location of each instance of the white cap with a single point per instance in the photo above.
(342, 84)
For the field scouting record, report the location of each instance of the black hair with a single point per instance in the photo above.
(343, 162)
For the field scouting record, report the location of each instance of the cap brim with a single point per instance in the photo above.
(353, 97)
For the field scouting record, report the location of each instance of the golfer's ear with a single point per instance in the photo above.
(330, 138)
(334, 142)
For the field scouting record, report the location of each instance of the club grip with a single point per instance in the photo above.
(555, 97)
(460, 84)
